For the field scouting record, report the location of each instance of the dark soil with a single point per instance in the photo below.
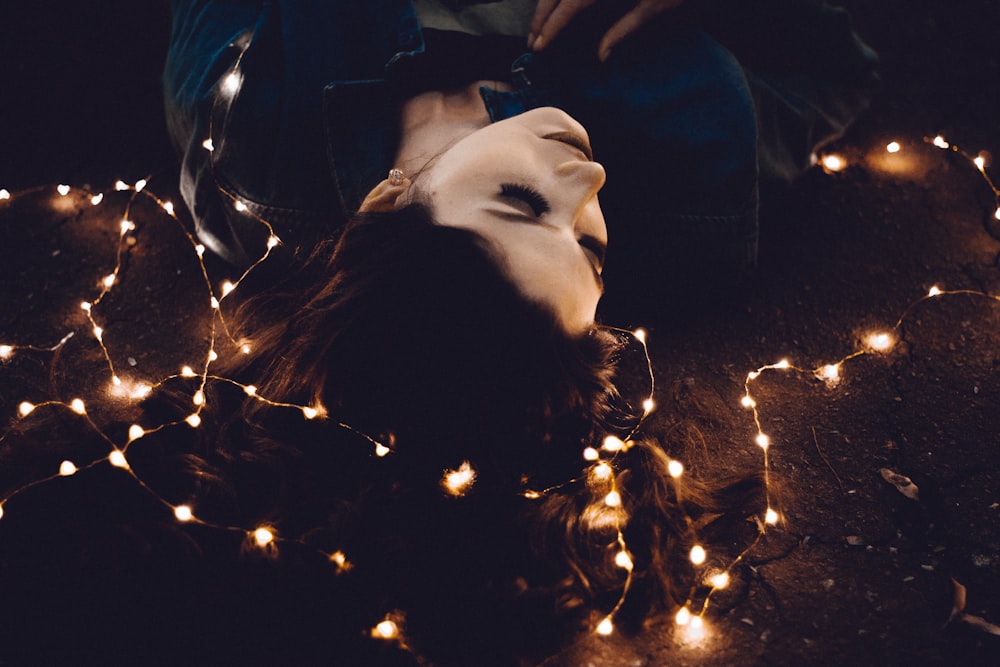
(856, 573)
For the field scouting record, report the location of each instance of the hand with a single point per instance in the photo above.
(551, 16)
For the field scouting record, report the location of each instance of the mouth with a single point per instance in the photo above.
(574, 140)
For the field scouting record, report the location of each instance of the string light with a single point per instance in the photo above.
(183, 513)
(67, 468)
(458, 482)
(698, 554)
(893, 147)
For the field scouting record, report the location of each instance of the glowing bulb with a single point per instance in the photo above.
(830, 372)
(4, 194)
(6, 351)
(77, 406)
(309, 412)
(135, 432)
(996, 213)
(893, 147)
(198, 398)
(263, 537)
(272, 241)
(613, 499)
(696, 629)
(762, 440)
(227, 287)
(231, 83)
(934, 291)
(458, 482)
(208, 145)
(199, 249)
(385, 630)
(339, 558)
(753, 375)
(215, 303)
(698, 554)
(648, 405)
(833, 162)
(127, 226)
(940, 142)
(193, 420)
(748, 402)
(63, 190)
(675, 468)
(771, 517)
(381, 450)
(591, 454)
(85, 306)
(640, 335)
(624, 561)
(67, 468)
(187, 372)
(603, 471)
(880, 342)
(141, 390)
(97, 199)
(980, 162)
(140, 184)
(25, 408)
(245, 349)
(98, 333)
(613, 444)
(683, 616)
(250, 390)
(121, 185)
(605, 627)
(109, 280)
(1, 510)
(720, 581)
(168, 207)
(183, 513)
(240, 206)
(213, 355)
(116, 381)
(784, 363)
(117, 459)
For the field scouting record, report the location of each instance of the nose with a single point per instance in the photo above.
(588, 176)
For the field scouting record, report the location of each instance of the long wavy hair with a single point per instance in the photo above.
(409, 335)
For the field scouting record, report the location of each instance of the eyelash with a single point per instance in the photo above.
(533, 198)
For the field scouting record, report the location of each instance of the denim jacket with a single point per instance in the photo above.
(684, 129)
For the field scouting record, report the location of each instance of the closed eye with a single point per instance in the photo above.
(528, 195)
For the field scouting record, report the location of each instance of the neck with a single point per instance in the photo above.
(432, 121)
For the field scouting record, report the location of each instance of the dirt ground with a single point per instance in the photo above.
(856, 572)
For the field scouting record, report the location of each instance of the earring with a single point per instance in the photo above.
(396, 177)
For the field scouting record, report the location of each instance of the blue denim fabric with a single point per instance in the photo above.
(673, 116)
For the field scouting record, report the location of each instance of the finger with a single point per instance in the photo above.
(542, 11)
(633, 20)
(558, 19)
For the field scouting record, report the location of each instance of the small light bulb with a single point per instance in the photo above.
(250, 390)
(606, 626)
(183, 513)
(603, 471)
(934, 291)
(893, 147)
(127, 226)
(109, 280)
(98, 333)
(193, 420)
(648, 405)
(771, 517)
(168, 207)
(116, 381)
(97, 199)
(1, 510)
(121, 185)
(67, 468)
(214, 303)
(980, 162)
(880, 341)
(208, 145)
(4, 194)
(25, 408)
(830, 372)
(624, 561)
(227, 287)
(720, 581)
(640, 335)
(135, 432)
(748, 402)
(63, 190)
(591, 454)
(6, 351)
(762, 440)
(696, 629)
(187, 372)
(458, 482)
(381, 450)
(213, 355)
(199, 249)
(996, 213)
(385, 630)
(940, 142)
(240, 206)
(310, 412)
(613, 499)
(683, 616)
(272, 241)
(77, 406)
(833, 162)
(140, 184)
(784, 363)
(698, 554)
(263, 537)
(117, 459)
(141, 390)
(613, 444)
(675, 468)
(198, 398)
(245, 349)
(85, 306)
(232, 83)
(753, 375)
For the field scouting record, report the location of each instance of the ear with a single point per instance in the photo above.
(385, 197)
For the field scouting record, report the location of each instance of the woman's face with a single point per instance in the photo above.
(528, 185)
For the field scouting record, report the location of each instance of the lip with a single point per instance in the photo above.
(573, 139)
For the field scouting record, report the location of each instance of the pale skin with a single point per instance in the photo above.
(526, 184)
